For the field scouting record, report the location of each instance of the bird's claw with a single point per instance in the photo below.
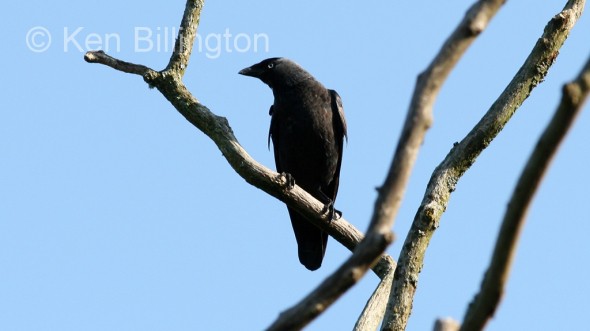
(333, 213)
(290, 181)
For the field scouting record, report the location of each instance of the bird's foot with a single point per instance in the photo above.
(333, 213)
(289, 180)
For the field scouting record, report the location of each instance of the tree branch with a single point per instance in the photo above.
(463, 155)
(186, 37)
(418, 120)
(103, 58)
(374, 310)
(486, 301)
(419, 116)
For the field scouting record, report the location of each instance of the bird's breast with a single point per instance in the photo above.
(303, 131)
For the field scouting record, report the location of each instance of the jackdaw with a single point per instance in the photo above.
(307, 129)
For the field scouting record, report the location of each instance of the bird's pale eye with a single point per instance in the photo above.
(270, 65)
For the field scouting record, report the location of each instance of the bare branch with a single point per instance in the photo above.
(463, 155)
(374, 310)
(419, 116)
(486, 301)
(186, 36)
(103, 58)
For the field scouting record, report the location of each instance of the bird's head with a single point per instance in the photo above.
(277, 72)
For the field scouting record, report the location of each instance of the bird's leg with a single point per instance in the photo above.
(333, 213)
(290, 181)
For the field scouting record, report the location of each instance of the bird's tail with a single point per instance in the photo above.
(311, 241)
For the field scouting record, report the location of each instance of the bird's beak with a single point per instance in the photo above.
(249, 72)
(245, 71)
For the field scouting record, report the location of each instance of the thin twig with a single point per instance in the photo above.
(103, 58)
(484, 304)
(463, 155)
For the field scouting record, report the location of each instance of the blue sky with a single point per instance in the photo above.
(117, 214)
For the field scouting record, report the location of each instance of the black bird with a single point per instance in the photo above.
(307, 129)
